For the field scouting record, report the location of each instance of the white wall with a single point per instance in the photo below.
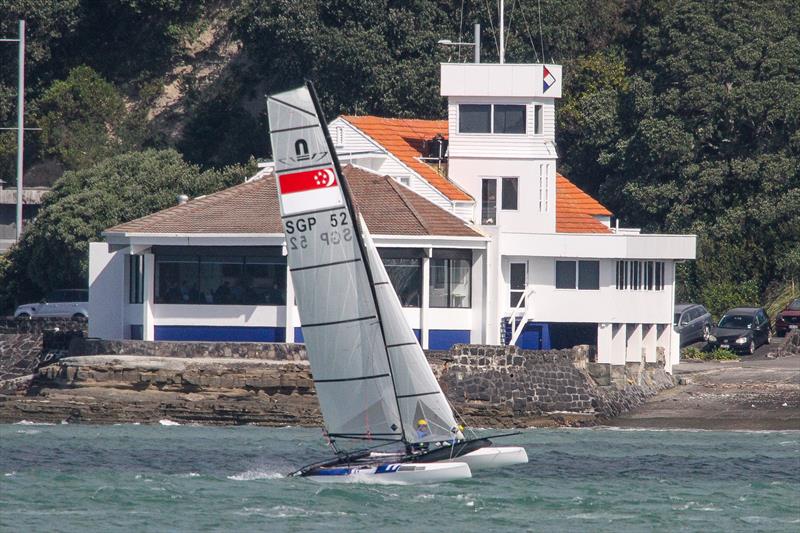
(527, 218)
(604, 305)
(107, 294)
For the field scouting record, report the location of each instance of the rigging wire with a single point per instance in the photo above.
(530, 35)
(491, 25)
(460, 29)
(510, 20)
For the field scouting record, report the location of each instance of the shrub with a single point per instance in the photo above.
(692, 353)
(720, 354)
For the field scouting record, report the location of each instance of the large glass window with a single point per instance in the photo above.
(489, 201)
(510, 193)
(583, 275)
(589, 275)
(474, 118)
(406, 277)
(451, 278)
(216, 279)
(509, 118)
(565, 275)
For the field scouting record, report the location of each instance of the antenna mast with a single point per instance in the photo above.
(502, 34)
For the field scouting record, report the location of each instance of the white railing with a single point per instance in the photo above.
(527, 313)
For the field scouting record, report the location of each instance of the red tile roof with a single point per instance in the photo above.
(575, 210)
(404, 138)
(252, 207)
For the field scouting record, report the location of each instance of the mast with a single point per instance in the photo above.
(359, 239)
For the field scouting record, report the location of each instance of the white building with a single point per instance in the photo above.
(484, 240)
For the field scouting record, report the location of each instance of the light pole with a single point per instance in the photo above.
(476, 44)
(20, 119)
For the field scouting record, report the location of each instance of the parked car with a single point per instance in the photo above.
(789, 318)
(693, 322)
(61, 303)
(742, 330)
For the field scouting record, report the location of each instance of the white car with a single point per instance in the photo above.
(69, 303)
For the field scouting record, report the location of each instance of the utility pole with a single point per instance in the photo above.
(20, 119)
(502, 34)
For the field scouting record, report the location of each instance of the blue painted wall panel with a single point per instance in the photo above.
(219, 333)
(298, 334)
(443, 339)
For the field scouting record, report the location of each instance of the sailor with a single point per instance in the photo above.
(422, 428)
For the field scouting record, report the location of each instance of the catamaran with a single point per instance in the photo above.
(372, 379)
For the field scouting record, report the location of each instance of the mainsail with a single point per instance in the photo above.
(371, 376)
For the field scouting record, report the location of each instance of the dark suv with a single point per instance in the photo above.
(742, 330)
(693, 323)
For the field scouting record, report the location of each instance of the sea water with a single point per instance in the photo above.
(189, 478)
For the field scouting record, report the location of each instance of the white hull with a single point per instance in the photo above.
(494, 457)
(398, 474)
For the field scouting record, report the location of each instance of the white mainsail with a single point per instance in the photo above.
(371, 376)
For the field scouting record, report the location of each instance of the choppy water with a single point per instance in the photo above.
(180, 478)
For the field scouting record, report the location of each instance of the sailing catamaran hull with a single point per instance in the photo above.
(393, 473)
(493, 457)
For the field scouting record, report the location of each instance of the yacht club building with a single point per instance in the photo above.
(484, 241)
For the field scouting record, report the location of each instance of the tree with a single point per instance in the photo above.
(53, 252)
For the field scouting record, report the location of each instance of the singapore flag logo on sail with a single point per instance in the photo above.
(309, 190)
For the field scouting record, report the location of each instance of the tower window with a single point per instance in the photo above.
(510, 193)
(509, 119)
(538, 118)
(474, 118)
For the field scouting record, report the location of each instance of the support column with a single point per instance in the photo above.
(633, 353)
(618, 342)
(425, 304)
(148, 317)
(605, 342)
(649, 342)
(288, 317)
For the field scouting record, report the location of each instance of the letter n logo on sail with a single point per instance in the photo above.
(309, 190)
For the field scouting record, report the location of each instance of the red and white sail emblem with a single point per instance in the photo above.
(309, 190)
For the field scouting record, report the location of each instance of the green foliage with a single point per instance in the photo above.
(721, 296)
(84, 120)
(720, 354)
(53, 252)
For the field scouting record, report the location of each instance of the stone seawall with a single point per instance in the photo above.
(24, 344)
(271, 384)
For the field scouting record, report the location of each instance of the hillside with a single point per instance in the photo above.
(679, 116)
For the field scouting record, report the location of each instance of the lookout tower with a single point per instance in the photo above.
(501, 130)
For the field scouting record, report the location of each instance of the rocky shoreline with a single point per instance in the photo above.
(79, 380)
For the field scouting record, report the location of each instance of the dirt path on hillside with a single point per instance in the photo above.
(753, 393)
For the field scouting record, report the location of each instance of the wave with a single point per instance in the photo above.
(251, 475)
(31, 423)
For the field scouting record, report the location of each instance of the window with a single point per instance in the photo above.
(509, 194)
(404, 267)
(218, 279)
(486, 118)
(583, 275)
(565, 275)
(451, 278)
(640, 275)
(538, 118)
(405, 180)
(589, 275)
(489, 201)
(509, 119)
(518, 282)
(474, 118)
(339, 136)
(135, 279)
